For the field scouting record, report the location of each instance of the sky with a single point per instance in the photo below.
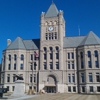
(22, 18)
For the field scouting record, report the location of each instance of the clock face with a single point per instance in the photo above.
(50, 28)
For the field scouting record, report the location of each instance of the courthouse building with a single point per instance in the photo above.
(53, 63)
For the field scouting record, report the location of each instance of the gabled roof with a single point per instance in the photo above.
(52, 11)
(90, 39)
(17, 44)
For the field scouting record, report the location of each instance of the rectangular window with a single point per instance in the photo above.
(8, 88)
(13, 87)
(98, 88)
(57, 55)
(45, 65)
(68, 65)
(82, 64)
(90, 77)
(31, 56)
(68, 55)
(97, 64)
(35, 58)
(57, 65)
(74, 89)
(21, 67)
(14, 66)
(51, 56)
(34, 67)
(9, 66)
(81, 54)
(89, 64)
(83, 89)
(69, 78)
(91, 88)
(8, 78)
(45, 57)
(51, 65)
(72, 65)
(97, 77)
(69, 88)
(72, 55)
(34, 78)
(73, 78)
(9, 57)
(14, 78)
(31, 78)
(31, 67)
(82, 77)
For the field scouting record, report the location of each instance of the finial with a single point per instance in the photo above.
(52, 2)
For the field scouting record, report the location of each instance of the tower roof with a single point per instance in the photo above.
(52, 11)
(90, 39)
(17, 44)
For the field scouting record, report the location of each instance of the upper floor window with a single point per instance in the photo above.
(51, 49)
(90, 77)
(51, 65)
(69, 78)
(15, 57)
(46, 36)
(68, 65)
(50, 36)
(14, 66)
(97, 64)
(96, 53)
(72, 65)
(72, 55)
(68, 55)
(51, 56)
(45, 65)
(45, 56)
(57, 55)
(31, 56)
(81, 54)
(57, 65)
(57, 48)
(30, 77)
(97, 77)
(82, 64)
(21, 66)
(73, 77)
(9, 66)
(89, 53)
(55, 35)
(9, 57)
(89, 64)
(45, 49)
(14, 78)
(8, 78)
(22, 57)
(82, 77)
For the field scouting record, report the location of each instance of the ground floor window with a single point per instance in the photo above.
(8, 88)
(69, 88)
(74, 89)
(13, 88)
(91, 88)
(98, 88)
(30, 87)
(83, 89)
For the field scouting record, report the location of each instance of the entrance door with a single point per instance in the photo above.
(51, 89)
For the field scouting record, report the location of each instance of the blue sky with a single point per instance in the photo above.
(22, 18)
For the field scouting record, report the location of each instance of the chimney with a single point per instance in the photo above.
(8, 42)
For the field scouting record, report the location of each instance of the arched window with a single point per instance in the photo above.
(96, 53)
(51, 49)
(45, 49)
(15, 57)
(22, 57)
(57, 48)
(89, 53)
(9, 57)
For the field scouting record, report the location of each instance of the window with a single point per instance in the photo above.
(72, 55)
(14, 78)
(89, 53)
(31, 56)
(9, 57)
(55, 35)
(98, 88)
(45, 49)
(69, 78)
(13, 87)
(35, 58)
(51, 65)
(57, 48)
(90, 77)
(45, 66)
(31, 78)
(57, 55)
(72, 65)
(52, 36)
(15, 57)
(69, 88)
(68, 55)
(21, 66)
(68, 65)
(57, 65)
(74, 89)
(82, 65)
(82, 77)
(34, 67)
(91, 88)
(73, 78)
(51, 56)
(31, 67)
(34, 78)
(46, 36)
(22, 57)
(8, 78)
(81, 54)
(89, 64)
(9, 66)
(97, 77)
(51, 49)
(96, 53)
(97, 64)
(45, 56)
(49, 36)
(14, 66)
(8, 88)
(83, 89)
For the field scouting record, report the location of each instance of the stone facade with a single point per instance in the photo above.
(63, 64)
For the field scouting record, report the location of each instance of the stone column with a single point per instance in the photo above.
(54, 63)
(48, 59)
(60, 59)
(41, 60)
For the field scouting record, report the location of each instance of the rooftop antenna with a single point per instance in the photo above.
(78, 30)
